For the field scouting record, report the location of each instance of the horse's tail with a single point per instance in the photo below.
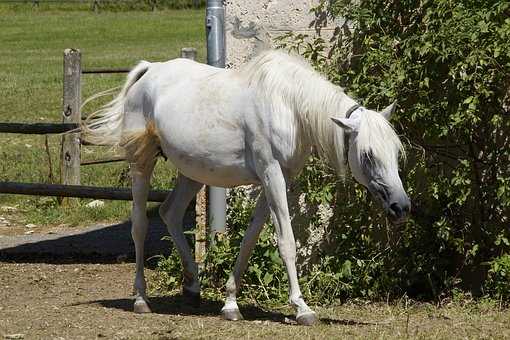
(105, 126)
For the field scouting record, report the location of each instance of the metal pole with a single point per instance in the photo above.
(215, 30)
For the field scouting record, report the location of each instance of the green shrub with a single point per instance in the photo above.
(499, 276)
(447, 63)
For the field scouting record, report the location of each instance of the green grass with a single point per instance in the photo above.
(32, 44)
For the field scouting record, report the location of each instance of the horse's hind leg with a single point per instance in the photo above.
(141, 174)
(172, 212)
(230, 310)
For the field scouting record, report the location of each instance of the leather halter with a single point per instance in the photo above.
(351, 110)
(346, 136)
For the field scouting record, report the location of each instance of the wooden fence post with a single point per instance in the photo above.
(201, 205)
(70, 153)
(95, 6)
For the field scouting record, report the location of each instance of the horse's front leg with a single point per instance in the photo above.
(275, 189)
(230, 310)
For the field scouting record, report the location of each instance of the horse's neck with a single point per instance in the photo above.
(313, 108)
(302, 103)
(302, 122)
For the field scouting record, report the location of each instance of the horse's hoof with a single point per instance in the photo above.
(307, 319)
(141, 307)
(191, 298)
(232, 314)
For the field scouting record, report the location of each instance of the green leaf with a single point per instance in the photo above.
(483, 26)
(268, 278)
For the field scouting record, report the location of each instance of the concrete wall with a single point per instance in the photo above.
(252, 24)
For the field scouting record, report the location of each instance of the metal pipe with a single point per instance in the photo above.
(215, 31)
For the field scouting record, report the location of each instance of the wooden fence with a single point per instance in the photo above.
(71, 156)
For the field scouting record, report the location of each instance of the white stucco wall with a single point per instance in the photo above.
(250, 24)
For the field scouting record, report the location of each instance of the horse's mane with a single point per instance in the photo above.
(285, 79)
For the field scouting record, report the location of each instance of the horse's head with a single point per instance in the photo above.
(373, 153)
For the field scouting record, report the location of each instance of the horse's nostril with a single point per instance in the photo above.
(396, 209)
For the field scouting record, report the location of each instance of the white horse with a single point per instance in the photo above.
(227, 128)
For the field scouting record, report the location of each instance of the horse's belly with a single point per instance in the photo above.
(222, 168)
(220, 177)
(204, 171)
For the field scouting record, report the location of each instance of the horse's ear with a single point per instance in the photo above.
(388, 111)
(349, 125)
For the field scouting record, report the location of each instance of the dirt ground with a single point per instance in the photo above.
(92, 301)
(62, 284)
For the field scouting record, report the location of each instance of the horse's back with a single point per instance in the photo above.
(199, 113)
(178, 70)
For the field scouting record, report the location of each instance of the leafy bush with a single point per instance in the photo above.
(499, 276)
(448, 65)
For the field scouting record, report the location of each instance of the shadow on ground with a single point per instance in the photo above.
(178, 305)
(97, 244)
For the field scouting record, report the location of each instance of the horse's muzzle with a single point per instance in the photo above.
(398, 210)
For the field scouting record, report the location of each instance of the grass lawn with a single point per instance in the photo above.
(32, 42)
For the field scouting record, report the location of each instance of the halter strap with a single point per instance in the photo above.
(346, 137)
(351, 110)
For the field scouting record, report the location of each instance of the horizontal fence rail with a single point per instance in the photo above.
(105, 70)
(103, 161)
(80, 191)
(37, 128)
